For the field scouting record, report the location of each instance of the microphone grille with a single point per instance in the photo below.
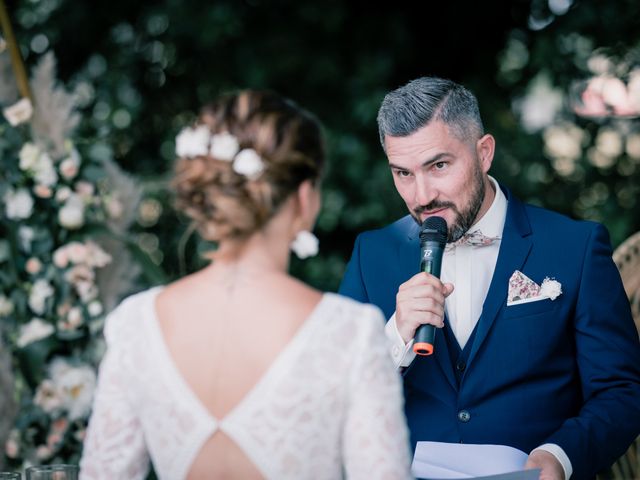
(434, 229)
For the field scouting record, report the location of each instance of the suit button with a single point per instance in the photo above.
(460, 366)
(464, 416)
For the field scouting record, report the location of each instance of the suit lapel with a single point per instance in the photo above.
(409, 260)
(514, 249)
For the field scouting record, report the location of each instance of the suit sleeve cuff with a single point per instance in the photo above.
(558, 452)
(401, 353)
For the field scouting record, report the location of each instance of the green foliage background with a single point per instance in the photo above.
(147, 67)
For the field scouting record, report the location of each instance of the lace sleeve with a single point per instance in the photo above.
(376, 441)
(114, 446)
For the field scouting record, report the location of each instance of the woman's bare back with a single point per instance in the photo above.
(223, 331)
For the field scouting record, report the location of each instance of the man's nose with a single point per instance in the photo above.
(424, 194)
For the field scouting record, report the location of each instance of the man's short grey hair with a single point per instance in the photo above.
(412, 106)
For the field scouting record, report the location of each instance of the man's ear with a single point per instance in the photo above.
(486, 148)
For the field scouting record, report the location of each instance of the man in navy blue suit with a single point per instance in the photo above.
(536, 347)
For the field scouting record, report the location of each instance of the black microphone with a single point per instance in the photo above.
(433, 238)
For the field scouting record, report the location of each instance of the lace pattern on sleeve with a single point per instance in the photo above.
(376, 441)
(114, 446)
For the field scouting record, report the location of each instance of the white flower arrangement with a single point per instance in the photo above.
(52, 300)
(75, 384)
(194, 142)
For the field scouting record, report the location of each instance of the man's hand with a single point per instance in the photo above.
(551, 469)
(420, 300)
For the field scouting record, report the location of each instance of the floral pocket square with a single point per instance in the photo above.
(523, 290)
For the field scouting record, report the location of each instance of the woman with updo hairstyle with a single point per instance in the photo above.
(240, 370)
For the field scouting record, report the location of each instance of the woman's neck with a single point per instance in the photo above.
(258, 256)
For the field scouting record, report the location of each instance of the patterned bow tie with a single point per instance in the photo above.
(473, 239)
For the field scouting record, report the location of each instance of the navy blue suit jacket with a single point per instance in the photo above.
(565, 371)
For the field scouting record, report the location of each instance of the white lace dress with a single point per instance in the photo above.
(329, 406)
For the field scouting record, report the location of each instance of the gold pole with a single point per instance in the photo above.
(14, 49)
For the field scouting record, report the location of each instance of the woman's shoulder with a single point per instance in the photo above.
(353, 313)
(125, 319)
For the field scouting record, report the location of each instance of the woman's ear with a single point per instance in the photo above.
(308, 204)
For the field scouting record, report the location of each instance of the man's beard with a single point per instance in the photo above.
(464, 219)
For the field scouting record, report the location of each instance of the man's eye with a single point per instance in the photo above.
(439, 165)
(402, 173)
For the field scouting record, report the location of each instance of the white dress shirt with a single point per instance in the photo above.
(470, 270)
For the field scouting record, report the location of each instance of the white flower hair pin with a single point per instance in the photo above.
(248, 163)
(224, 146)
(193, 142)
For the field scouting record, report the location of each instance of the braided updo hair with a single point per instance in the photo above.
(227, 205)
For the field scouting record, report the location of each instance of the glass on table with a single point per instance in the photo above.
(10, 476)
(52, 472)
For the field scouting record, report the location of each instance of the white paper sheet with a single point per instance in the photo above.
(437, 460)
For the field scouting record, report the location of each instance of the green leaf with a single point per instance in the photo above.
(33, 357)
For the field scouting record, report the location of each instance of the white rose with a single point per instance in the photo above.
(193, 142)
(18, 204)
(76, 252)
(6, 306)
(550, 288)
(61, 258)
(248, 163)
(71, 215)
(29, 154)
(35, 330)
(44, 172)
(224, 146)
(80, 273)
(47, 397)
(86, 290)
(96, 256)
(76, 385)
(95, 308)
(40, 292)
(63, 193)
(540, 105)
(74, 317)
(26, 236)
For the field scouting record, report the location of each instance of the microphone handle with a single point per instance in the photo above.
(431, 262)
